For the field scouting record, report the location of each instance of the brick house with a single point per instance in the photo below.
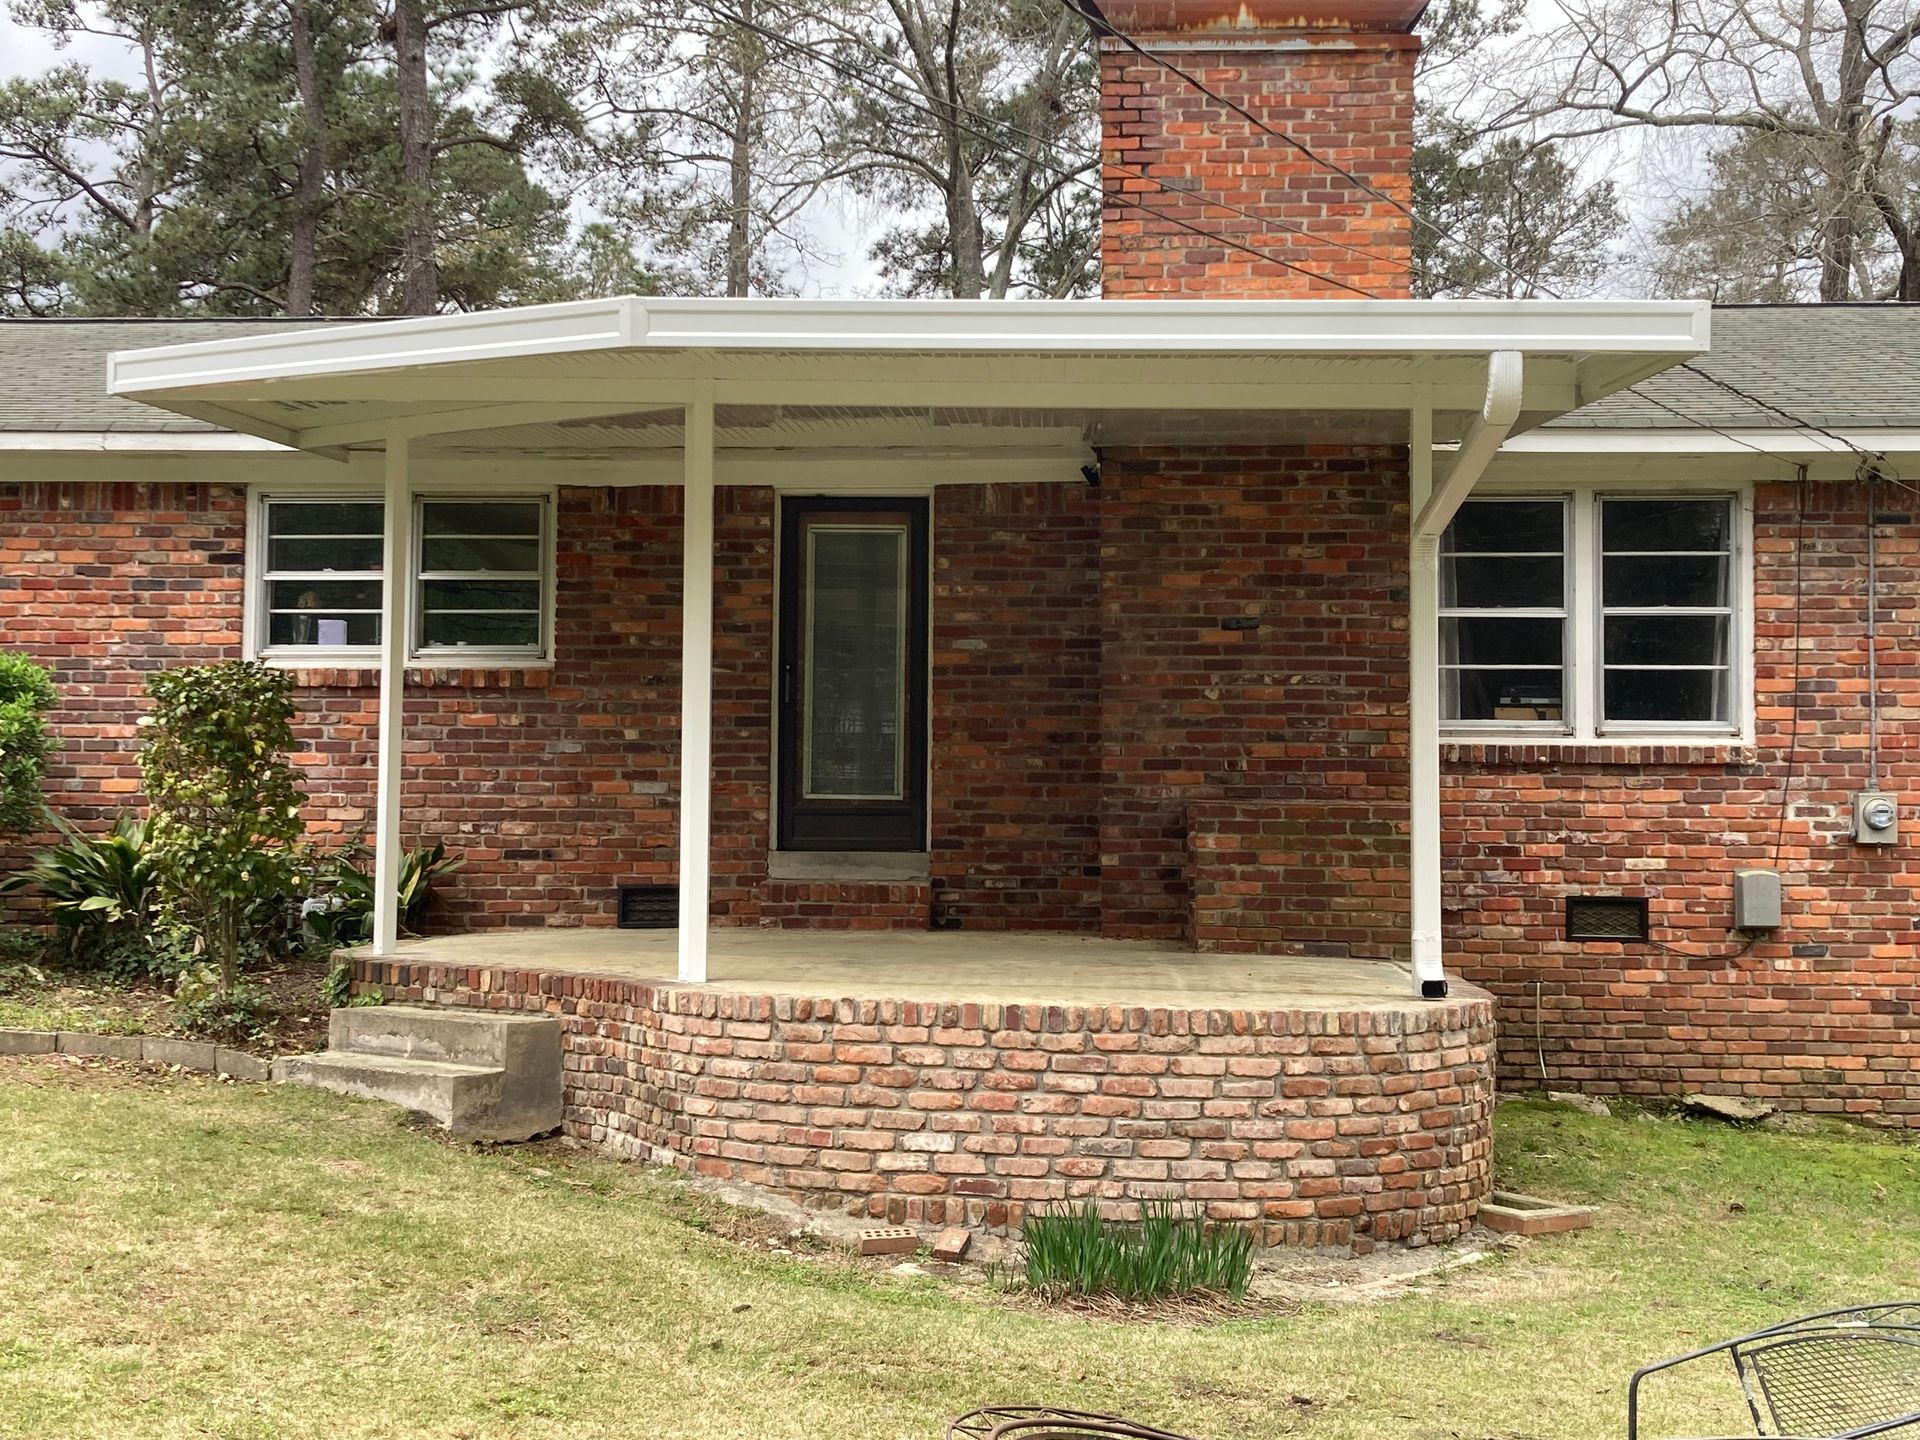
(1129, 748)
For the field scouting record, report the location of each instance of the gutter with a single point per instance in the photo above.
(1438, 501)
(1506, 373)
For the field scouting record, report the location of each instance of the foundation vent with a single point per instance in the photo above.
(1606, 917)
(648, 907)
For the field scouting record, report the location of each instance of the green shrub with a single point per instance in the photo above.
(99, 888)
(1170, 1251)
(347, 888)
(207, 1004)
(26, 695)
(225, 802)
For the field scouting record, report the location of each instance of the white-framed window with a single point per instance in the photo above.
(481, 571)
(1596, 613)
(482, 575)
(320, 576)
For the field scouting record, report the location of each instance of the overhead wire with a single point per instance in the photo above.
(1070, 176)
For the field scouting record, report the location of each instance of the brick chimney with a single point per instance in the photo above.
(1336, 74)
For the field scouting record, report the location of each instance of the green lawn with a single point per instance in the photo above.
(186, 1258)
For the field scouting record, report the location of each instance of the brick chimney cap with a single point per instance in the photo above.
(1262, 17)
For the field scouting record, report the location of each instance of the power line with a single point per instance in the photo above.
(1070, 176)
(1274, 222)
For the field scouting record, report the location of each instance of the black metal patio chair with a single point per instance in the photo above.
(1840, 1374)
(1045, 1422)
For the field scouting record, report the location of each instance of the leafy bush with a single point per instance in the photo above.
(346, 892)
(206, 1003)
(26, 695)
(1169, 1251)
(99, 888)
(225, 802)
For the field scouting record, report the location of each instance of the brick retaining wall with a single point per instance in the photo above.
(1317, 1127)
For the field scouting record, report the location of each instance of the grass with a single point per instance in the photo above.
(184, 1258)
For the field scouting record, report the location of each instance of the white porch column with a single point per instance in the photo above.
(696, 685)
(1423, 720)
(396, 626)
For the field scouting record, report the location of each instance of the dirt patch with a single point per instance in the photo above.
(294, 1020)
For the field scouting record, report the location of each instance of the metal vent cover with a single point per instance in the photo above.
(1606, 917)
(647, 907)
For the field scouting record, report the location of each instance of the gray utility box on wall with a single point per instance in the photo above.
(1876, 818)
(1756, 900)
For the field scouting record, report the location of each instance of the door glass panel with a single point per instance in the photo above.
(855, 662)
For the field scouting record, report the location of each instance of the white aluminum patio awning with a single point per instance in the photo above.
(602, 376)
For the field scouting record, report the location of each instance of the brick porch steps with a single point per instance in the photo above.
(480, 1076)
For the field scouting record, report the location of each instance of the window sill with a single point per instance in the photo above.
(1716, 750)
(876, 867)
(347, 674)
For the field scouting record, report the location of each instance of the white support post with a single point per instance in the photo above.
(696, 685)
(1423, 719)
(396, 626)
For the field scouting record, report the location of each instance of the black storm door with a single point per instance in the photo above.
(853, 674)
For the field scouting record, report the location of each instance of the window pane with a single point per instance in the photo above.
(323, 612)
(1654, 580)
(1665, 524)
(1531, 526)
(440, 595)
(1500, 583)
(479, 537)
(452, 629)
(855, 662)
(480, 517)
(1513, 695)
(318, 627)
(1666, 640)
(324, 554)
(504, 554)
(1496, 640)
(324, 595)
(323, 517)
(1672, 695)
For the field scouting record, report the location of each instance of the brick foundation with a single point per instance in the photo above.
(1316, 1127)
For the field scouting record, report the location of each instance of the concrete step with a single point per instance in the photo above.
(482, 1076)
(464, 1037)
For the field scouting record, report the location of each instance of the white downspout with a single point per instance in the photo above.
(1434, 507)
(396, 627)
(696, 685)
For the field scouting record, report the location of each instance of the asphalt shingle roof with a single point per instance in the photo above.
(1831, 365)
(53, 373)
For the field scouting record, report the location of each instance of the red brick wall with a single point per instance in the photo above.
(1352, 106)
(1819, 1016)
(1259, 735)
(1016, 707)
(107, 584)
(1319, 1127)
(558, 785)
